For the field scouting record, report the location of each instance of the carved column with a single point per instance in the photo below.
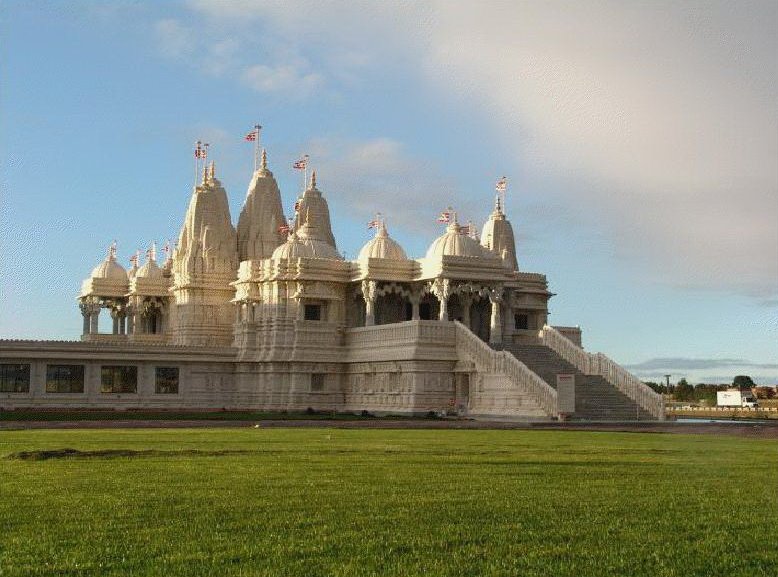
(495, 328)
(466, 300)
(442, 289)
(86, 310)
(94, 318)
(415, 298)
(369, 290)
(130, 319)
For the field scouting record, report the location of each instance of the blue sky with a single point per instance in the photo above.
(639, 141)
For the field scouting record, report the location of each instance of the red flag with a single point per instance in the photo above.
(251, 136)
(445, 217)
(301, 164)
(373, 224)
(502, 185)
(284, 229)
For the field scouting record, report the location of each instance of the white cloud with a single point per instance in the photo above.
(288, 80)
(380, 175)
(175, 40)
(656, 123)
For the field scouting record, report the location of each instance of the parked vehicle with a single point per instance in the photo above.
(736, 398)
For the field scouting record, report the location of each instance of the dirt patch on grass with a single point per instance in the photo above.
(115, 453)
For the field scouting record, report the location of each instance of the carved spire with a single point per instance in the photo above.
(313, 184)
(151, 253)
(263, 163)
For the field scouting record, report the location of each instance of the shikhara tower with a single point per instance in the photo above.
(262, 318)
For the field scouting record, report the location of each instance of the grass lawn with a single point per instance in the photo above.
(333, 502)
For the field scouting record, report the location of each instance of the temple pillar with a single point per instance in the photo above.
(495, 327)
(415, 309)
(94, 317)
(369, 290)
(85, 312)
(441, 288)
(466, 301)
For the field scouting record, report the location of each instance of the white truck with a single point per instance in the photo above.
(735, 398)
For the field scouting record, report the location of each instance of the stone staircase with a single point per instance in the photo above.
(595, 398)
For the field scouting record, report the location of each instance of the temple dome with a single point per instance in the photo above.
(455, 243)
(310, 234)
(150, 269)
(293, 248)
(110, 269)
(382, 246)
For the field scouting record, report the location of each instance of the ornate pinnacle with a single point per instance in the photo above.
(263, 164)
(313, 180)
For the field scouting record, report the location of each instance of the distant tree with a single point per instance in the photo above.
(683, 391)
(764, 392)
(743, 382)
(657, 387)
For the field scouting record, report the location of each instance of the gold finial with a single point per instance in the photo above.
(263, 164)
(212, 172)
(205, 174)
(313, 181)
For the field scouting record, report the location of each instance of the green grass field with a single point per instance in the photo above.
(321, 501)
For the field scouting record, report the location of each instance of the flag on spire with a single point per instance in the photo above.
(502, 185)
(254, 134)
(134, 259)
(445, 217)
(373, 224)
(284, 229)
(301, 164)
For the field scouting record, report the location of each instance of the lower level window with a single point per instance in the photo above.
(166, 381)
(65, 378)
(119, 379)
(317, 382)
(14, 378)
(522, 321)
(312, 312)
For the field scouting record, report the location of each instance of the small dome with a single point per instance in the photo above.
(455, 243)
(149, 270)
(319, 248)
(382, 246)
(109, 268)
(291, 249)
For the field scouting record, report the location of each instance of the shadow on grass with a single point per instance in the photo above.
(113, 453)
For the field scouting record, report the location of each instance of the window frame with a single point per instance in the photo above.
(4, 374)
(50, 367)
(118, 370)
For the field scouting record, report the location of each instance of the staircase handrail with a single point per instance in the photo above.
(601, 365)
(488, 360)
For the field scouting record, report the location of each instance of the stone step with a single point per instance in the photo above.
(596, 398)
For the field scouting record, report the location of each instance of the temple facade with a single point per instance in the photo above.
(270, 316)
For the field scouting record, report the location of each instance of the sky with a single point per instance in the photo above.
(640, 142)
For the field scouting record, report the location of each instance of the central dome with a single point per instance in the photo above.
(382, 246)
(455, 243)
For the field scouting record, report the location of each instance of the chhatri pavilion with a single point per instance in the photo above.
(268, 315)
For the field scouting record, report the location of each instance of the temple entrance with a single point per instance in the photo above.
(429, 308)
(391, 308)
(481, 318)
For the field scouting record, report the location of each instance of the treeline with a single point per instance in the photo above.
(704, 393)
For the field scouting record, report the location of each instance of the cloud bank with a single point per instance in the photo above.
(656, 122)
